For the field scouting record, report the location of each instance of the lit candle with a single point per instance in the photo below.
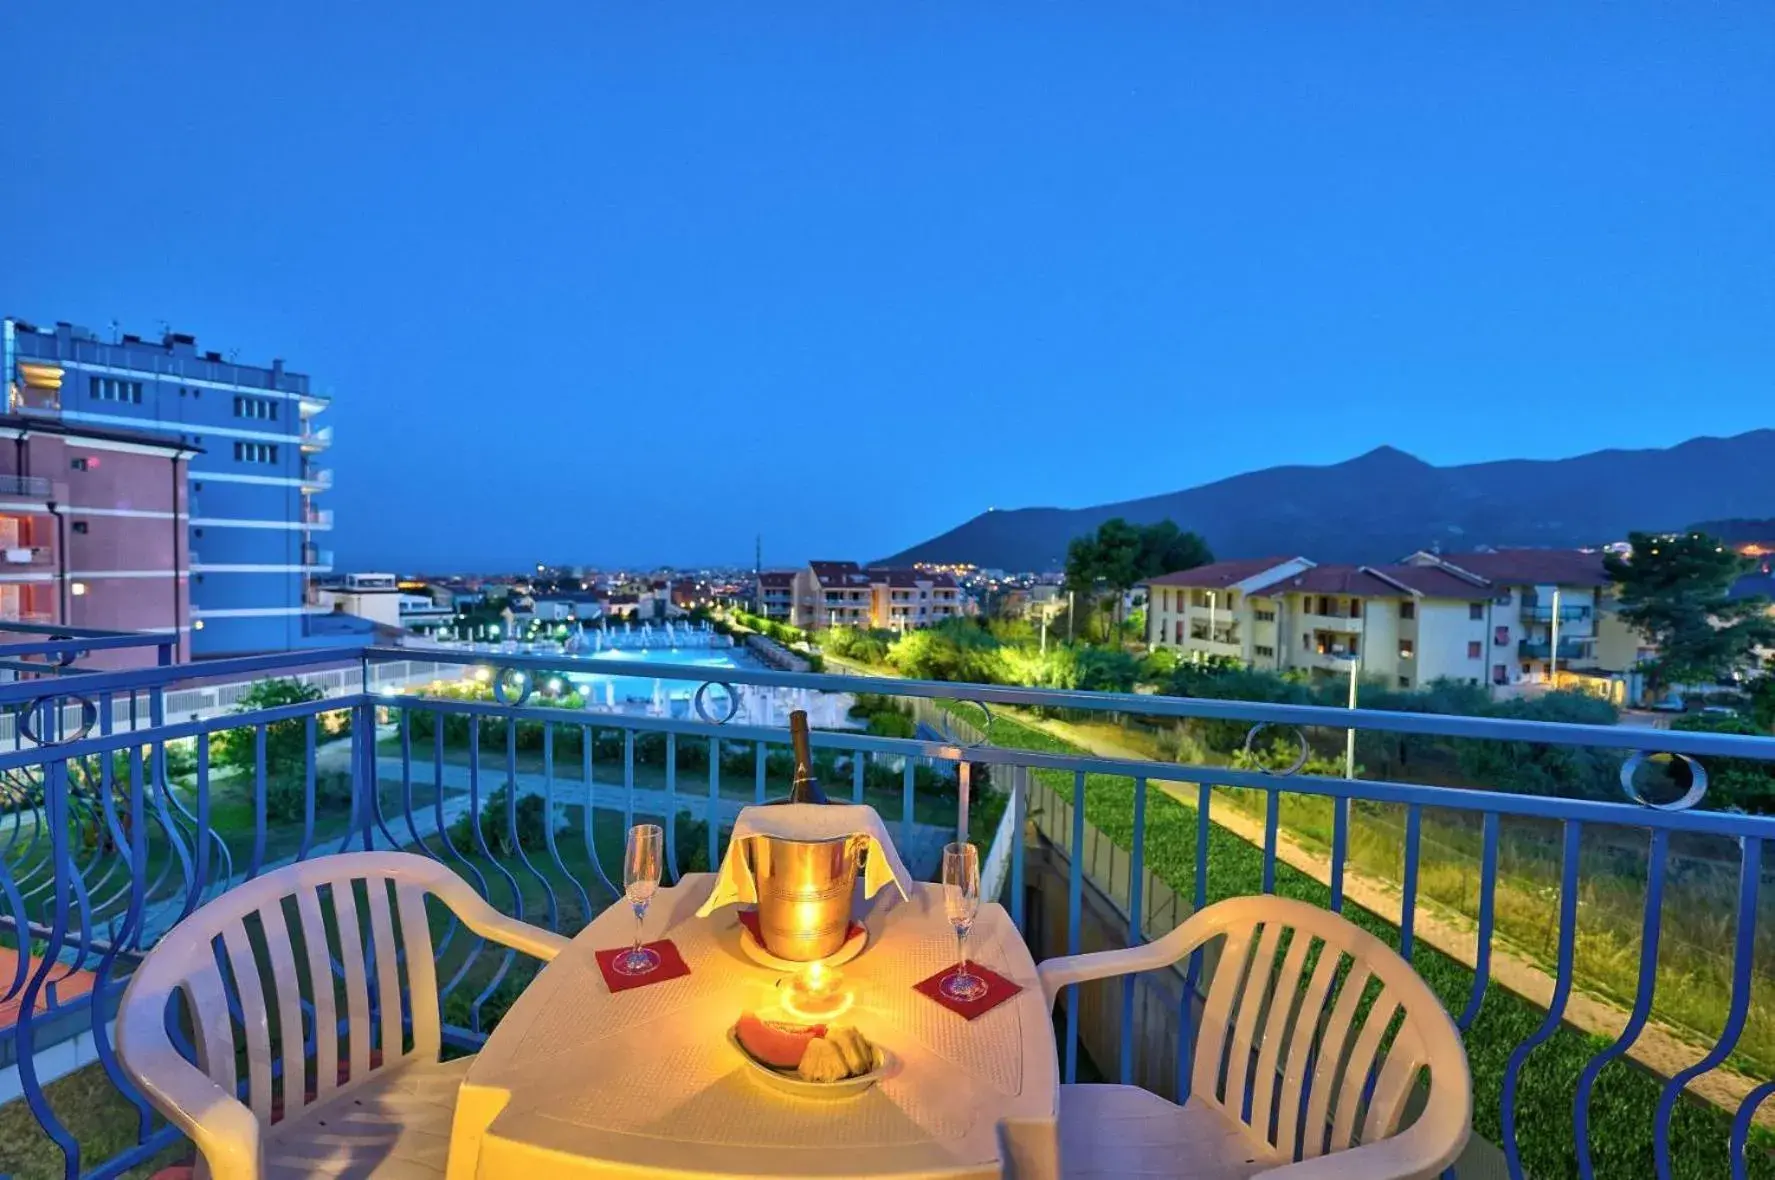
(815, 993)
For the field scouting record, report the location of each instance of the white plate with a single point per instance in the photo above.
(790, 1083)
(853, 946)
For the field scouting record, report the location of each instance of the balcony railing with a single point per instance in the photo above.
(317, 478)
(1572, 650)
(113, 832)
(35, 487)
(29, 555)
(316, 439)
(318, 518)
(1533, 612)
(316, 558)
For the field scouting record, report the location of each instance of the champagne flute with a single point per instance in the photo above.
(961, 902)
(641, 862)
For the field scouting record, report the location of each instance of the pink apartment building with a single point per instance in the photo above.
(92, 531)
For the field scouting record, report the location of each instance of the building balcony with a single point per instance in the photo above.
(310, 404)
(1335, 657)
(1227, 637)
(318, 519)
(1568, 650)
(316, 479)
(30, 555)
(317, 560)
(316, 440)
(108, 879)
(1344, 624)
(24, 487)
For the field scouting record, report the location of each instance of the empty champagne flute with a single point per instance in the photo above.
(961, 902)
(640, 878)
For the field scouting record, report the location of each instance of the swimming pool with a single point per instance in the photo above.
(603, 688)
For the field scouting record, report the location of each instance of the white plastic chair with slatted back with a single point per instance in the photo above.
(1280, 1083)
(385, 1109)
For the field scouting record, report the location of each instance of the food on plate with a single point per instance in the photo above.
(775, 1043)
(822, 1062)
(859, 1055)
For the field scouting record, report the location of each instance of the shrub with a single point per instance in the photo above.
(1742, 784)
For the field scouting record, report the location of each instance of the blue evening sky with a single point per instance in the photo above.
(631, 283)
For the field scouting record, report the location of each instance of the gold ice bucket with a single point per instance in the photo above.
(804, 893)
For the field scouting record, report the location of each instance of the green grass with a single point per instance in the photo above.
(1625, 1096)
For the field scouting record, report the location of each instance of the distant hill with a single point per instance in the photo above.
(1379, 506)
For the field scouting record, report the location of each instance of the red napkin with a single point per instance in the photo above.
(671, 966)
(998, 990)
(749, 919)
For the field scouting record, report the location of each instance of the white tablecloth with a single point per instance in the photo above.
(578, 1082)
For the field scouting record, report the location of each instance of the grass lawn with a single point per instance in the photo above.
(1625, 1096)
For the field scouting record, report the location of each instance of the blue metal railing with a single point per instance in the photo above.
(109, 835)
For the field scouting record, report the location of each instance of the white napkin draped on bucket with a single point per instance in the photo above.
(810, 822)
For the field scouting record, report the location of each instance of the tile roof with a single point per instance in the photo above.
(1333, 579)
(1533, 567)
(907, 578)
(782, 579)
(1435, 582)
(1217, 574)
(838, 573)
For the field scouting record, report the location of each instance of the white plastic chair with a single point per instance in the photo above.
(383, 1111)
(1256, 1043)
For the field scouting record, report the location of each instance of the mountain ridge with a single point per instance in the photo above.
(1386, 502)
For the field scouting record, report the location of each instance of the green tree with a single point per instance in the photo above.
(286, 742)
(1743, 784)
(1119, 556)
(1166, 549)
(1675, 590)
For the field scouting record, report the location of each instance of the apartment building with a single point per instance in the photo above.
(776, 595)
(1504, 619)
(93, 531)
(844, 594)
(906, 600)
(253, 475)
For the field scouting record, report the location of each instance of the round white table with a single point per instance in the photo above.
(579, 1082)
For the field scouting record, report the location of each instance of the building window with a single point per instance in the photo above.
(255, 452)
(1475, 649)
(1306, 643)
(1267, 653)
(1264, 616)
(1501, 636)
(1500, 674)
(110, 389)
(79, 526)
(262, 408)
(1408, 609)
(77, 464)
(1476, 611)
(1405, 649)
(1405, 682)
(1355, 608)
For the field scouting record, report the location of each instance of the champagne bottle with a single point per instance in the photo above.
(804, 788)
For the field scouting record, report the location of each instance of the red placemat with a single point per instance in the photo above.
(671, 966)
(998, 990)
(749, 919)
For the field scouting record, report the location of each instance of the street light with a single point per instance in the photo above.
(1553, 646)
(1350, 734)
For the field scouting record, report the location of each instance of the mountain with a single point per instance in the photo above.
(1382, 505)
